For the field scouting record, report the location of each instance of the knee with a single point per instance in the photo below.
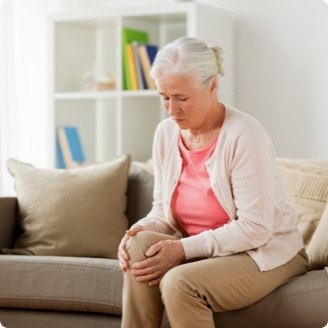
(138, 245)
(174, 285)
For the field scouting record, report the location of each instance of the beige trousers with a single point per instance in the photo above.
(191, 291)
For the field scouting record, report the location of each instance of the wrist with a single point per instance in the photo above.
(181, 250)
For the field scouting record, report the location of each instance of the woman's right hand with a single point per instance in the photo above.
(123, 255)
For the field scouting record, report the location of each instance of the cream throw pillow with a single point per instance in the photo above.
(306, 184)
(76, 212)
(318, 247)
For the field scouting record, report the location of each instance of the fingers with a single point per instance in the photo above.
(148, 269)
(154, 249)
(161, 257)
(133, 231)
(150, 278)
(123, 255)
(155, 282)
(124, 263)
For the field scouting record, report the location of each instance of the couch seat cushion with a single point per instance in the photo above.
(301, 303)
(61, 283)
(21, 318)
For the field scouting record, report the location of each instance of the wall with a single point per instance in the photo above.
(282, 71)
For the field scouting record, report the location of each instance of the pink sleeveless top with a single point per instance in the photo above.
(194, 205)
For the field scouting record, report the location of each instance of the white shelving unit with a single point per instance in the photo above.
(118, 121)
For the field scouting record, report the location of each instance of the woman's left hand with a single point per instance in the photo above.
(162, 256)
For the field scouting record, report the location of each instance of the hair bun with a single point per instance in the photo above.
(218, 52)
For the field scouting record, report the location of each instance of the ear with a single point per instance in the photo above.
(214, 83)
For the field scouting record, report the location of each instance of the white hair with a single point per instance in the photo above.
(188, 55)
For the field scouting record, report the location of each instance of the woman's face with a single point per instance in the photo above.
(186, 101)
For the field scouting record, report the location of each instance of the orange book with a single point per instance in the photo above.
(67, 155)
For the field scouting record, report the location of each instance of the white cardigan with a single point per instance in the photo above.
(244, 179)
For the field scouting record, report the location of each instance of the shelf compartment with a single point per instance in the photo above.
(140, 116)
(98, 41)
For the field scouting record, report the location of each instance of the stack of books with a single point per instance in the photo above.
(138, 56)
(69, 151)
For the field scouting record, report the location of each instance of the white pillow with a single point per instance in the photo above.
(76, 212)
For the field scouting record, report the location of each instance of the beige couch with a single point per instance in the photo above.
(83, 291)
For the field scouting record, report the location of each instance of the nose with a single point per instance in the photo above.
(172, 107)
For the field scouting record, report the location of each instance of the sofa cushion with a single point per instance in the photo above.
(306, 184)
(64, 319)
(21, 318)
(61, 283)
(301, 303)
(76, 212)
(318, 247)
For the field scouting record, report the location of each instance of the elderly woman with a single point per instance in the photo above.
(220, 235)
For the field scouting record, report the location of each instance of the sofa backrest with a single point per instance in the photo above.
(140, 192)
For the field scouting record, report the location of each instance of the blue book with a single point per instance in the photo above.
(74, 143)
(147, 54)
(71, 151)
(152, 51)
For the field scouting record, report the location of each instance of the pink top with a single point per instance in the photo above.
(194, 205)
(244, 177)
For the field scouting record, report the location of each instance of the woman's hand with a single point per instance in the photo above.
(123, 255)
(162, 256)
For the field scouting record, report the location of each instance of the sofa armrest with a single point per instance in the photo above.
(8, 219)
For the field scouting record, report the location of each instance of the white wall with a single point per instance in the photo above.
(282, 70)
(281, 67)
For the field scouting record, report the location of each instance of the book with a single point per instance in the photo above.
(147, 54)
(140, 75)
(129, 35)
(70, 146)
(132, 69)
(60, 164)
(152, 52)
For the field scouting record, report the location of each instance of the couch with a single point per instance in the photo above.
(44, 290)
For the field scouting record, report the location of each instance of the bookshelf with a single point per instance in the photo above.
(116, 121)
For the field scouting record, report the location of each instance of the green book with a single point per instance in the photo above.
(128, 36)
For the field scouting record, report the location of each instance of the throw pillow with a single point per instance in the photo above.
(318, 247)
(75, 212)
(306, 184)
